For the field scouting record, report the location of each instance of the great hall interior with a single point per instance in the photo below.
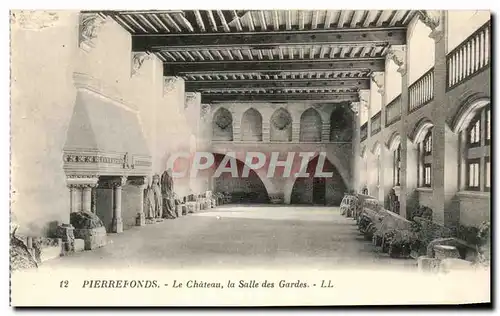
(398, 100)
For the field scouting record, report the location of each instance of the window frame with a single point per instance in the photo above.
(468, 163)
(426, 184)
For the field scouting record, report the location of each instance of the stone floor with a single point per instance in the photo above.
(237, 236)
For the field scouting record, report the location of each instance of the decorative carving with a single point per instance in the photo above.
(432, 19)
(90, 24)
(80, 158)
(355, 107)
(205, 110)
(189, 98)
(127, 162)
(398, 55)
(137, 181)
(378, 79)
(169, 84)
(35, 20)
(223, 119)
(138, 59)
(281, 120)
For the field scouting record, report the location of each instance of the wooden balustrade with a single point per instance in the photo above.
(421, 91)
(393, 111)
(376, 125)
(470, 57)
(363, 132)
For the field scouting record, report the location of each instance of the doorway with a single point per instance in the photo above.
(319, 191)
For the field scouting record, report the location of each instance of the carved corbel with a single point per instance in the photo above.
(82, 181)
(378, 79)
(205, 110)
(169, 84)
(432, 19)
(138, 59)
(355, 106)
(138, 181)
(35, 20)
(398, 55)
(190, 98)
(90, 23)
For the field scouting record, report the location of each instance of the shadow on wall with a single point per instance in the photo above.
(319, 191)
(341, 126)
(246, 190)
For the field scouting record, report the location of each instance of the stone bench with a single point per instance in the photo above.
(446, 254)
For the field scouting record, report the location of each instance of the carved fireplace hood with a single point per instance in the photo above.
(104, 138)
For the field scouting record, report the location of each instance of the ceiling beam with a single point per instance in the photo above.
(290, 83)
(373, 64)
(148, 42)
(279, 97)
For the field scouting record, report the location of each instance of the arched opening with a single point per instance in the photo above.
(341, 128)
(251, 126)
(281, 126)
(310, 126)
(319, 190)
(222, 125)
(243, 190)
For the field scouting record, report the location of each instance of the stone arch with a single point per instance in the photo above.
(394, 141)
(260, 173)
(333, 160)
(310, 126)
(222, 125)
(281, 125)
(467, 111)
(362, 152)
(251, 125)
(376, 148)
(334, 187)
(420, 129)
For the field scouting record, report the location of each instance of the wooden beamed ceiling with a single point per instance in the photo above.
(295, 54)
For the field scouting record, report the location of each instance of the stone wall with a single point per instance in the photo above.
(43, 98)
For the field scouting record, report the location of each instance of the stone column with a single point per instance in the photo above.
(87, 198)
(80, 188)
(117, 223)
(295, 131)
(408, 180)
(74, 193)
(445, 143)
(356, 158)
(140, 182)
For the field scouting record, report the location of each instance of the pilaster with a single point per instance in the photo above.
(325, 132)
(445, 151)
(356, 158)
(295, 131)
(266, 131)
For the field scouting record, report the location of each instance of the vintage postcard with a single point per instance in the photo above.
(250, 157)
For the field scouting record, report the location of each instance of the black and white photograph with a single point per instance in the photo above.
(272, 157)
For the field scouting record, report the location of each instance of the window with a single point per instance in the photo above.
(474, 132)
(428, 143)
(476, 152)
(487, 174)
(488, 126)
(424, 166)
(473, 174)
(427, 175)
(397, 166)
